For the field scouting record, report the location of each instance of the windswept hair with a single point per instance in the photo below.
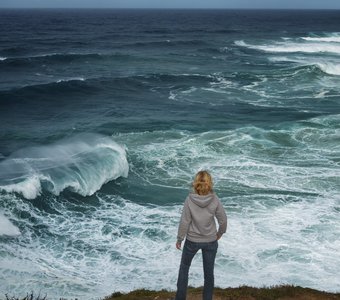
(203, 183)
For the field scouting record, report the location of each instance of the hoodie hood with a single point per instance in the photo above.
(202, 200)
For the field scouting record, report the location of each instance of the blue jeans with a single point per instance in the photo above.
(209, 253)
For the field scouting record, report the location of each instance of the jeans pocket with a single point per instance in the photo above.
(213, 245)
(191, 246)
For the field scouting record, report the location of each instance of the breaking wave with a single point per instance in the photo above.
(334, 38)
(81, 164)
(289, 47)
(328, 67)
(318, 51)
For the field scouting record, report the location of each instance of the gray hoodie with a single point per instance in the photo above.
(197, 222)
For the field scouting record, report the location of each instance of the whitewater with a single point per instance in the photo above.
(105, 117)
(81, 164)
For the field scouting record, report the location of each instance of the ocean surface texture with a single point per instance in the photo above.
(106, 115)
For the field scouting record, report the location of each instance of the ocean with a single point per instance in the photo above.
(106, 116)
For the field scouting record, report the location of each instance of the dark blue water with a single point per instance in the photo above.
(106, 115)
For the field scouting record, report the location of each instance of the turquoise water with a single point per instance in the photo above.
(107, 115)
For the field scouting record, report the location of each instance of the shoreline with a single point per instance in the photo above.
(282, 292)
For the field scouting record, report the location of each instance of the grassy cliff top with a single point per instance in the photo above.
(241, 293)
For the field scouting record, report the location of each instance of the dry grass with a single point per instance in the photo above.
(241, 293)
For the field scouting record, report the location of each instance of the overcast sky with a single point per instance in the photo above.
(308, 4)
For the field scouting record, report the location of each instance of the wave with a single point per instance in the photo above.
(60, 86)
(81, 164)
(15, 50)
(292, 152)
(293, 47)
(84, 85)
(71, 79)
(179, 78)
(328, 39)
(57, 58)
(273, 173)
(7, 228)
(328, 67)
(166, 43)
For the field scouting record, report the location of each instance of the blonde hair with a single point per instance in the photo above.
(202, 183)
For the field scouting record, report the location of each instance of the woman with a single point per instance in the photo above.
(198, 226)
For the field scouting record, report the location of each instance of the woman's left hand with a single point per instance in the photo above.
(179, 245)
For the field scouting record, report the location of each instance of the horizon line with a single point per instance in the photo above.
(173, 8)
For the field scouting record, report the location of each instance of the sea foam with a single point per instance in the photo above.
(7, 228)
(332, 39)
(291, 47)
(330, 67)
(81, 164)
(279, 187)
